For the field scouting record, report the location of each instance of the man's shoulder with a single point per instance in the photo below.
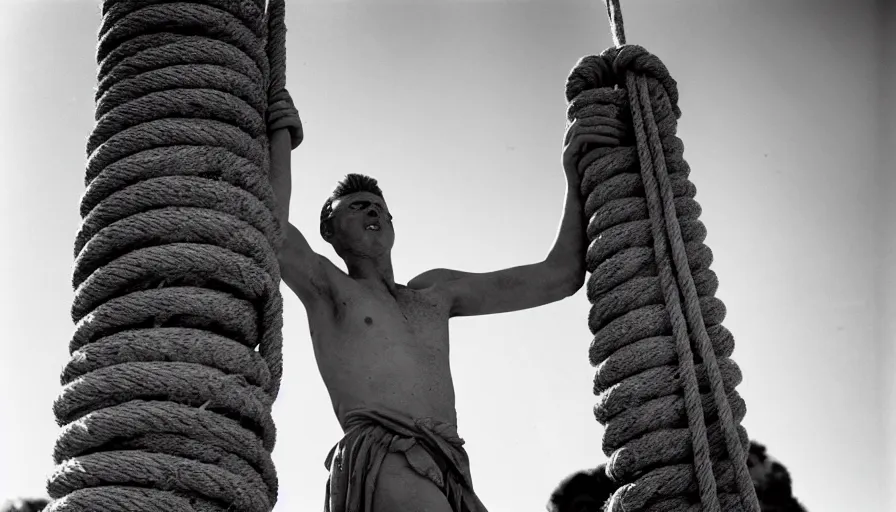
(433, 287)
(433, 278)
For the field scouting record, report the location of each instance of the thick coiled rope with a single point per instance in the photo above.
(176, 355)
(665, 381)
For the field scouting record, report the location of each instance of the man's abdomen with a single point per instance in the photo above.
(414, 379)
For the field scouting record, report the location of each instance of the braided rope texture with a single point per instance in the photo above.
(665, 380)
(176, 354)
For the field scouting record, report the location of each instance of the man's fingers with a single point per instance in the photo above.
(581, 140)
(570, 130)
(609, 131)
(583, 143)
(600, 125)
(601, 120)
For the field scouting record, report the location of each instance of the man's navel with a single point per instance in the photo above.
(368, 320)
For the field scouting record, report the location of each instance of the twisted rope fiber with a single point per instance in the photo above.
(641, 345)
(176, 353)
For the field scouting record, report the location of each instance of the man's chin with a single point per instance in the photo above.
(372, 251)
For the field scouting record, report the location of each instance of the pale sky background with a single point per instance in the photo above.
(457, 108)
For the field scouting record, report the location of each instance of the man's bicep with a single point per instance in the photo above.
(501, 291)
(303, 270)
(306, 277)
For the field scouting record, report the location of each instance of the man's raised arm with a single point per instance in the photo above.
(560, 274)
(301, 268)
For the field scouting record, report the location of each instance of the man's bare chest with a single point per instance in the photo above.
(409, 316)
(408, 310)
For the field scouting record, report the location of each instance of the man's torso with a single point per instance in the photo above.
(374, 349)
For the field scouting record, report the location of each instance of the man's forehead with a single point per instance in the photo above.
(358, 196)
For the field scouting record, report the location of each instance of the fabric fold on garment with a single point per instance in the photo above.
(432, 448)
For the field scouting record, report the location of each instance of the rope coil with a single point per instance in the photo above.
(665, 381)
(176, 354)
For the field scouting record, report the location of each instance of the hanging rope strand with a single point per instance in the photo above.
(176, 355)
(614, 12)
(695, 320)
(647, 155)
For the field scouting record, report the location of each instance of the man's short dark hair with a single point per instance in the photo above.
(351, 184)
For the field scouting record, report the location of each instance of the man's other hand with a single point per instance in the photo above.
(583, 135)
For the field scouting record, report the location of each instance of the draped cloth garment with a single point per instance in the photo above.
(432, 448)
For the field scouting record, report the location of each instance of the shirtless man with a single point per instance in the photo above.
(382, 347)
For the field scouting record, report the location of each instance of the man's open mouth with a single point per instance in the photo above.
(373, 227)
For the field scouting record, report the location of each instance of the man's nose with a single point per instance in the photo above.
(371, 212)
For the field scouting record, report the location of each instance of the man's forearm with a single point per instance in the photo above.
(281, 175)
(570, 245)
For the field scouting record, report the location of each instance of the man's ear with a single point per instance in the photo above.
(326, 229)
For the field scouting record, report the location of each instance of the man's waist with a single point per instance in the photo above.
(399, 421)
(346, 410)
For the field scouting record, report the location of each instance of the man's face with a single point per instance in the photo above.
(362, 225)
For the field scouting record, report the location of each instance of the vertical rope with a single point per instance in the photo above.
(645, 243)
(686, 284)
(281, 111)
(614, 12)
(650, 155)
(176, 353)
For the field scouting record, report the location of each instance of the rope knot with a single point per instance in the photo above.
(609, 70)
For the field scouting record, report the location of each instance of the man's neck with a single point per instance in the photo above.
(375, 271)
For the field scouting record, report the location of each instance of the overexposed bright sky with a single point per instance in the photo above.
(457, 107)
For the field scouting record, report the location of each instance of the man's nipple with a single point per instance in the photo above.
(368, 320)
